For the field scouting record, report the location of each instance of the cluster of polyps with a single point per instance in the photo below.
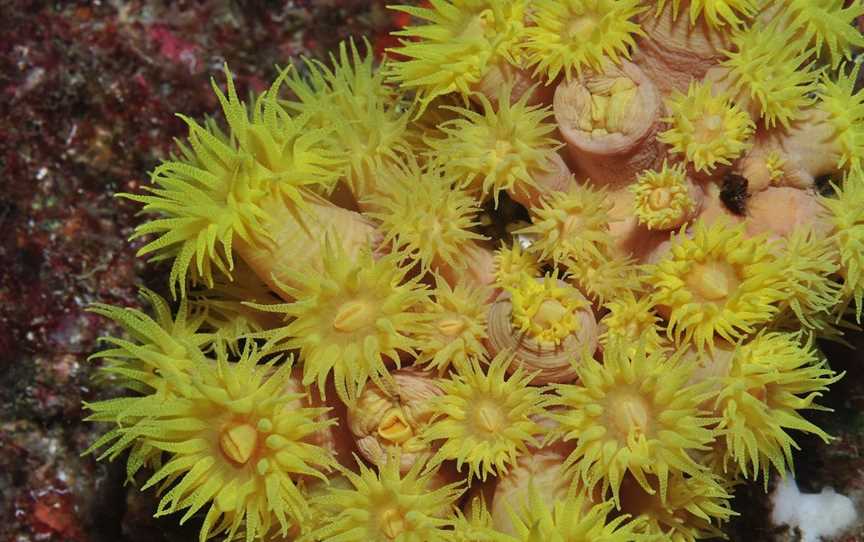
(609, 372)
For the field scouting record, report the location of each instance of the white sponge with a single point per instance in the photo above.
(816, 515)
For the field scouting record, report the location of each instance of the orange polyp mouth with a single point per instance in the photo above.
(712, 281)
(629, 413)
(450, 327)
(238, 443)
(394, 428)
(352, 316)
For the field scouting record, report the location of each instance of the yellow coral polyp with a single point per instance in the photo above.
(571, 35)
(607, 107)
(826, 25)
(232, 438)
(717, 283)
(456, 326)
(214, 189)
(773, 377)
(717, 13)
(512, 262)
(845, 108)
(574, 519)
(351, 319)
(455, 49)
(502, 147)
(810, 262)
(694, 509)
(633, 413)
(423, 216)
(846, 215)
(631, 319)
(769, 67)
(708, 129)
(485, 419)
(546, 310)
(363, 116)
(571, 225)
(662, 198)
(385, 505)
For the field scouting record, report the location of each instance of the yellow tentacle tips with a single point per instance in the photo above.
(709, 130)
(572, 35)
(717, 13)
(810, 263)
(846, 215)
(571, 225)
(386, 505)
(502, 147)
(769, 68)
(352, 320)
(511, 262)
(366, 118)
(456, 47)
(424, 216)
(232, 442)
(772, 378)
(695, 508)
(826, 25)
(456, 326)
(546, 310)
(485, 419)
(845, 108)
(574, 519)
(717, 284)
(213, 190)
(662, 198)
(632, 319)
(633, 413)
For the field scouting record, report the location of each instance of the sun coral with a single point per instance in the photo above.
(384, 506)
(351, 101)
(485, 419)
(213, 190)
(662, 198)
(718, 13)
(456, 326)
(235, 439)
(571, 225)
(352, 319)
(694, 509)
(810, 262)
(772, 378)
(708, 129)
(846, 214)
(511, 262)
(768, 69)
(826, 25)
(574, 519)
(631, 319)
(502, 147)
(632, 413)
(572, 35)
(136, 363)
(459, 44)
(845, 108)
(717, 284)
(423, 216)
(546, 310)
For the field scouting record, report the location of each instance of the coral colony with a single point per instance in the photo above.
(350, 357)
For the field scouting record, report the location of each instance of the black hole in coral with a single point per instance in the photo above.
(494, 222)
(824, 185)
(734, 194)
